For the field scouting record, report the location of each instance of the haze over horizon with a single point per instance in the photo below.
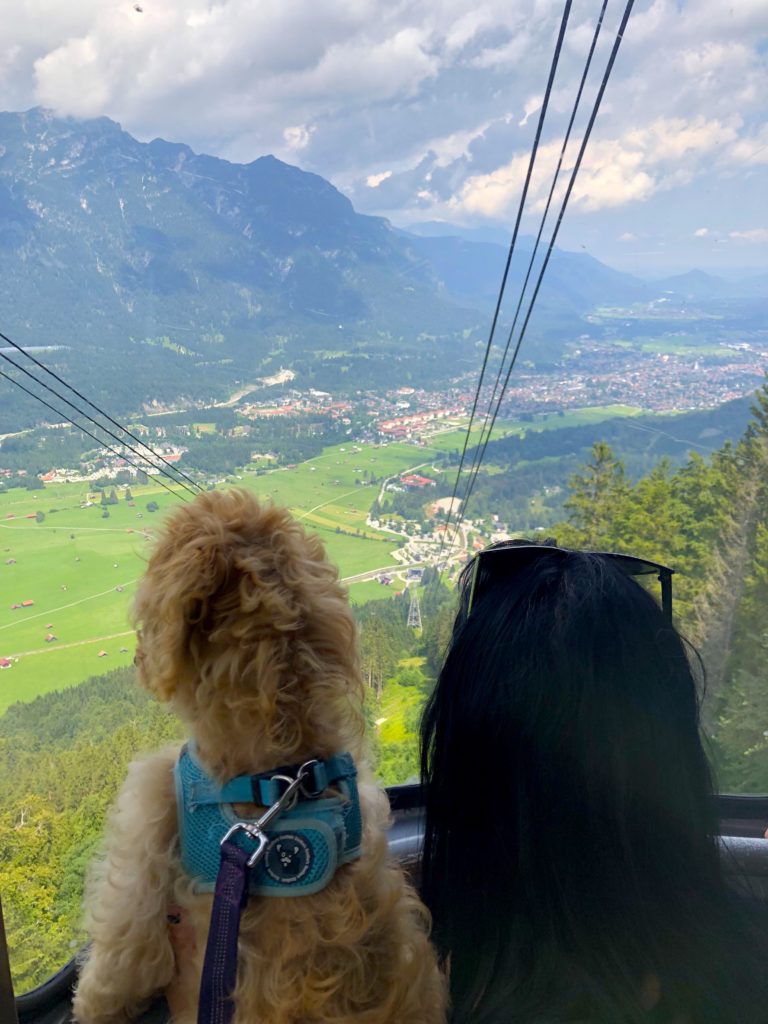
(426, 112)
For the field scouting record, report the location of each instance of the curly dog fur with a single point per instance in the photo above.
(246, 632)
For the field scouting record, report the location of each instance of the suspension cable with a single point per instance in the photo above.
(566, 139)
(532, 160)
(571, 183)
(90, 419)
(101, 412)
(79, 426)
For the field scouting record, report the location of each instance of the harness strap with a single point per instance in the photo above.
(217, 985)
(266, 789)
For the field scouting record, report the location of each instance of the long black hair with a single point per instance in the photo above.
(570, 857)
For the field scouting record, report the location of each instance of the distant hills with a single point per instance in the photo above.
(168, 275)
(470, 261)
(574, 283)
(183, 273)
(700, 286)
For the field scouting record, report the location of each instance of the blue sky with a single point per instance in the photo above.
(426, 109)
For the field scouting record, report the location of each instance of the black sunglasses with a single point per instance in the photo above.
(512, 558)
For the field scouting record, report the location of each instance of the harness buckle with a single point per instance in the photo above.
(255, 829)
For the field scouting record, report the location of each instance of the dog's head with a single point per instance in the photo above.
(246, 631)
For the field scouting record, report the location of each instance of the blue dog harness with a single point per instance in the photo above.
(294, 856)
(304, 847)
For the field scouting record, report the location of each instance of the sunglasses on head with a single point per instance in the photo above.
(513, 557)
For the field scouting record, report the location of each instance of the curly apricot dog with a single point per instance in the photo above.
(245, 631)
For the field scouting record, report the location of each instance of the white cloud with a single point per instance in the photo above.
(627, 236)
(667, 153)
(450, 147)
(501, 56)
(532, 106)
(751, 149)
(374, 180)
(701, 232)
(755, 236)
(465, 28)
(192, 69)
(297, 137)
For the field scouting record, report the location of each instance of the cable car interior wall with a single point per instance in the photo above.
(743, 819)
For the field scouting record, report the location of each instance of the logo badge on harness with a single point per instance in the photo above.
(287, 858)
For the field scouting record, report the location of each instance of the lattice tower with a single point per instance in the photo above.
(414, 610)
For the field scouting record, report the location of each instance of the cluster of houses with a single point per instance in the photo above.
(412, 424)
(411, 482)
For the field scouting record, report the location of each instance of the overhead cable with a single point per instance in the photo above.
(566, 139)
(571, 183)
(531, 162)
(100, 411)
(89, 434)
(90, 419)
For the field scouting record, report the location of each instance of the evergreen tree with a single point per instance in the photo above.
(596, 495)
(743, 725)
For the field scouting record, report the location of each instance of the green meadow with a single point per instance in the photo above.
(452, 439)
(671, 346)
(80, 569)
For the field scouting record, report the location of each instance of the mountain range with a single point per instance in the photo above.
(167, 275)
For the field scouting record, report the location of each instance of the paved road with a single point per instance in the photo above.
(373, 573)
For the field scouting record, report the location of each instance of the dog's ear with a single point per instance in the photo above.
(173, 602)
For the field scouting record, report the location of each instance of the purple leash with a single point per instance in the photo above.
(220, 969)
(216, 1005)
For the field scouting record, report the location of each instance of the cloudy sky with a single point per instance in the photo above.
(424, 110)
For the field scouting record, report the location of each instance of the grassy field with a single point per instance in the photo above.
(372, 590)
(80, 570)
(668, 346)
(394, 707)
(453, 440)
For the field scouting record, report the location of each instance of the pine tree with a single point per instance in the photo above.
(596, 495)
(742, 733)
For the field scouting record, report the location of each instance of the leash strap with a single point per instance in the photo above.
(220, 968)
(217, 985)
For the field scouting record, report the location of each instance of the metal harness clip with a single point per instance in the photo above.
(256, 829)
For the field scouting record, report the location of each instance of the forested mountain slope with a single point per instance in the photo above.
(177, 274)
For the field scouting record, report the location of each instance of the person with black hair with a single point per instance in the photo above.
(570, 856)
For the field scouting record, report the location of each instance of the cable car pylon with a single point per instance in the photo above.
(414, 610)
